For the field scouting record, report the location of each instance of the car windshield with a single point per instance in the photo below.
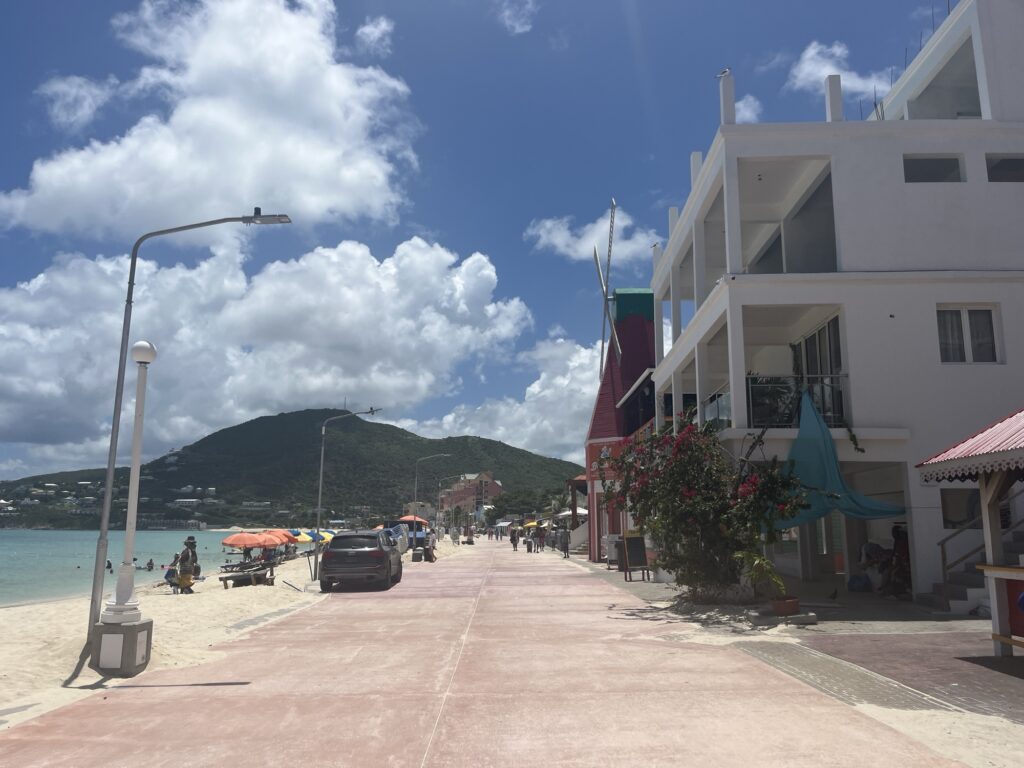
(354, 542)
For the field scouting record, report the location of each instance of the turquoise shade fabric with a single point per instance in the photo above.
(813, 460)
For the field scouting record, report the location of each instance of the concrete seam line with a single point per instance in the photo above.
(458, 659)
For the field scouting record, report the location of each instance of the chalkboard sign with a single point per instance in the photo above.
(636, 552)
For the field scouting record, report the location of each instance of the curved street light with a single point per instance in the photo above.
(258, 217)
(416, 480)
(320, 484)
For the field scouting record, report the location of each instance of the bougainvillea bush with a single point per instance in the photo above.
(704, 510)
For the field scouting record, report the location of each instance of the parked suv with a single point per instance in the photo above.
(361, 556)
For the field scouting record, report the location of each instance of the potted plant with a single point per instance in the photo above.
(765, 578)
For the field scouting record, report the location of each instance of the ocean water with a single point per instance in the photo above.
(49, 565)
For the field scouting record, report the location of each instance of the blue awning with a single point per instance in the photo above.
(813, 460)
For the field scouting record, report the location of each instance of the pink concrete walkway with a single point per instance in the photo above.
(486, 658)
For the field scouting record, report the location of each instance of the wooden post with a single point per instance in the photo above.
(993, 486)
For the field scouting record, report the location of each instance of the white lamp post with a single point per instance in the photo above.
(416, 480)
(124, 645)
(258, 217)
(320, 484)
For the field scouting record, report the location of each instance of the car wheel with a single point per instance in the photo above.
(325, 586)
(398, 576)
(386, 583)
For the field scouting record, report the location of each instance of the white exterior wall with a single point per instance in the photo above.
(902, 249)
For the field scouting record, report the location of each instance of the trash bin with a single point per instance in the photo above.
(620, 554)
(417, 555)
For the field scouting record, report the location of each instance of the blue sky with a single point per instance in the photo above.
(447, 164)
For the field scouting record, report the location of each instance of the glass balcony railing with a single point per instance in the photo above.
(717, 410)
(774, 401)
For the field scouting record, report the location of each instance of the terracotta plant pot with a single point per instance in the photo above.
(787, 605)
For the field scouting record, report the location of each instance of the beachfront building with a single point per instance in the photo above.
(470, 492)
(878, 264)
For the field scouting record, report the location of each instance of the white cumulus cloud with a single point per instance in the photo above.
(259, 111)
(553, 414)
(72, 102)
(559, 235)
(819, 60)
(517, 15)
(749, 109)
(374, 36)
(332, 324)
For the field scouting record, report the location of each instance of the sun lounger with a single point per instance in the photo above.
(245, 578)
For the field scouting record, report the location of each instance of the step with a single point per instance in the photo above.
(931, 600)
(953, 591)
(970, 578)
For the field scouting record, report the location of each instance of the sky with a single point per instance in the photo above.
(447, 165)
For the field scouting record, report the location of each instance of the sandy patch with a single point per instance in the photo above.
(42, 642)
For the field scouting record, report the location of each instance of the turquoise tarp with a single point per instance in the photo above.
(814, 461)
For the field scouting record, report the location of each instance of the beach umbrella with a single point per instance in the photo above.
(243, 539)
(288, 536)
(530, 525)
(294, 531)
(302, 538)
(327, 535)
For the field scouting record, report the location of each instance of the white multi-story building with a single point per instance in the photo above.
(880, 264)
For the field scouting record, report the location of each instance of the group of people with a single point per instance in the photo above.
(184, 568)
(538, 538)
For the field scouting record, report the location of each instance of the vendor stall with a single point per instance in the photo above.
(994, 458)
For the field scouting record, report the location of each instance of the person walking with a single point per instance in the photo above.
(540, 539)
(563, 542)
(187, 562)
(429, 545)
(513, 537)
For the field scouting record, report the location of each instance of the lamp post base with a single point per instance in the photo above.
(121, 650)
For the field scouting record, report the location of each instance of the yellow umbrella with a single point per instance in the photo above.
(531, 525)
(303, 538)
(327, 536)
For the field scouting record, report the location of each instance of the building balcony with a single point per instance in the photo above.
(774, 401)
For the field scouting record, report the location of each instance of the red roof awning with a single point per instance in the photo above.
(995, 448)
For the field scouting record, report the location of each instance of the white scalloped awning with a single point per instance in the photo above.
(998, 447)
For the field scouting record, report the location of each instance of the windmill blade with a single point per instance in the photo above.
(615, 333)
(604, 309)
(611, 236)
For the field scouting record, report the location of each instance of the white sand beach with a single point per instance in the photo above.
(42, 642)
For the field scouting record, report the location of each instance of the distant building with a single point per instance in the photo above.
(186, 503)
(471, 493)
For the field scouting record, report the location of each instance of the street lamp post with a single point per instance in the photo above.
(118, 643)
(320, 483)
(416, 480)
(101, 544)
(440, 482)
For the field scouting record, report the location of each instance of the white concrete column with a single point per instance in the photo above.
(737, 364)
(675, 297)
(659, 335)
(700, 264)
(703, 371)
(677, 399)
(673, 217)
(833, 99)
(659, 408)
(696, 163)
(727, 94)
(733, 233)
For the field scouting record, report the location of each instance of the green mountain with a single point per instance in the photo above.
(276, 459)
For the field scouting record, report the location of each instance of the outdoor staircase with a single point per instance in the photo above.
(965, 588)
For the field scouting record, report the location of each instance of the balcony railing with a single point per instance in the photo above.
(717, 409)
(774, 401)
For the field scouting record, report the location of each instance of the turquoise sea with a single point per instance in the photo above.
(48, 565)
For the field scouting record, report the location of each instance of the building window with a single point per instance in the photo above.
(1009, 168)
(918, 169)
(960, 506)
(967, 335)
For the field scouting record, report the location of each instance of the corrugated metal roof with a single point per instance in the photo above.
(1005, 435)
(997, 447)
